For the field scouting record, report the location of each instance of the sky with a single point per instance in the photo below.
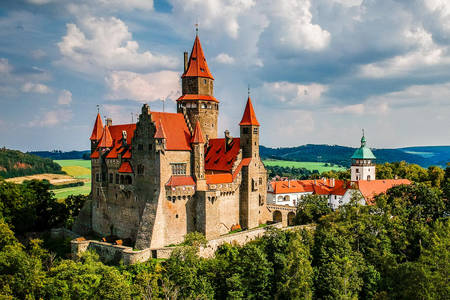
(319, 70)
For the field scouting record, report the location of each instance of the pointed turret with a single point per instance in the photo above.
(160, 138)
(98, 129)
(106, 141)
(197, 102)
(197, 137)
(197, 66)
(249, 117)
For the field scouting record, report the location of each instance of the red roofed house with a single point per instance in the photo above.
(169, 174)
(338, 192)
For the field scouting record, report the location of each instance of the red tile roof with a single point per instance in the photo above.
(180, 181)
(249, 117)
(116, 134)
(125, 167)
(217, 158)
(98, 129)
(160, 134)
(197, 138)
(197, 97)
(106, 141)
(318, 187)
(197, 66)
(369, 189)
(177, 134)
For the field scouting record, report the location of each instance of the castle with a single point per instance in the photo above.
(169, 174)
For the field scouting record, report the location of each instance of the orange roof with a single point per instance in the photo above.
(95, 154)
(319, 187)
(369, 189)
(125, 167)
(217, 158)
(98, 129)
(175, 130)
(180, 181)
(197, 97)
(160, 134)
(106, 141)
(249, 117)
(116, 134)
(197, 63)
(197, 138)
(219, 178)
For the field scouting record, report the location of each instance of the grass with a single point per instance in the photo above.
(319, 166)
(77, 168)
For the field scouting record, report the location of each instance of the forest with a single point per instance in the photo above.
(396, 249)
(14, 163)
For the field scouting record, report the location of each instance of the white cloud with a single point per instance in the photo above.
(426, 54)
(52, 118)
(65, 97)
(107, 44)
(214, 14)
(224, 58)
(143, 87)
(292, 94)
(39, 88)
(292, 26)
(351, 109)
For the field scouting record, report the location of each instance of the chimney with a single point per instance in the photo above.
(108, 122)
(228, 140)
(185, 61)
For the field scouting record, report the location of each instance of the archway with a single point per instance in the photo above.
(290, 218)
(277, 217)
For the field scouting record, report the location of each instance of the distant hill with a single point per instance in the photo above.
(58, 154)
(340, 155)
(14, 163)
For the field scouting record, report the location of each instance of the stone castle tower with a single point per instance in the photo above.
(197, 100)
(169, 174)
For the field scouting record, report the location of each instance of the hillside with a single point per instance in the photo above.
(58, 154)
(14, 163)
(340, 155)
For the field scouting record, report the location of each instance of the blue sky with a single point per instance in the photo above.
(319, 70)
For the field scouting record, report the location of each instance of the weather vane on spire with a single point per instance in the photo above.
(363, 131)
(249, 90)
(98, 108)
(196, 27)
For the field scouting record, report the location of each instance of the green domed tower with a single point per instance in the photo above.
(363, 167)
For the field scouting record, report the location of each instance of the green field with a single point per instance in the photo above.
(77, 168)
(319, 166)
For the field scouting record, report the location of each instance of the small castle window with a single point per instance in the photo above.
(194, 105)
(203, 105)
(117, 178)
(255, 130)
(140, 147)
(204, 81)
(245, 130)
(178, 169)
(97, 177)
(140, 169)
(150, 147)
(110, 178)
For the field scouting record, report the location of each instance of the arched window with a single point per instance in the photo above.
(280, 198)
(287, 198)
(203, 105)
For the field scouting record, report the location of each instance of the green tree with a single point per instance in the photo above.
(311, 208)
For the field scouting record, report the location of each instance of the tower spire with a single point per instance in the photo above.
(249, 117)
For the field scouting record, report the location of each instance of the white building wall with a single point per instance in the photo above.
(362, 173)
(348, 196)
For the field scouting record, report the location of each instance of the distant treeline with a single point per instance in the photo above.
(341, 155)
(14, 163)
(58, 154)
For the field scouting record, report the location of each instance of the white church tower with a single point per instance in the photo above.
(363, 167)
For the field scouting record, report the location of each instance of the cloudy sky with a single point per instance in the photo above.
(319, 70)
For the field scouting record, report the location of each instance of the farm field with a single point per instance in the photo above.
(79, 169)
(319, 166)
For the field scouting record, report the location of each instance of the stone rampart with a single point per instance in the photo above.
(115, 253)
